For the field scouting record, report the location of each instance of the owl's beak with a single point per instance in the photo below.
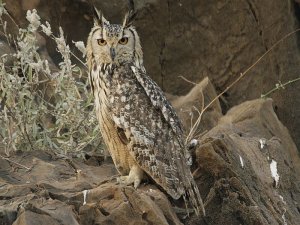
(112, 54)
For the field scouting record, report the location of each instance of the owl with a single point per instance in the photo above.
(139, 126)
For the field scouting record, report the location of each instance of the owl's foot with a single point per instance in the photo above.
(135, 177)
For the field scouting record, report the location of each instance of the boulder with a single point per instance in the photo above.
(189, 107)
(249, 168)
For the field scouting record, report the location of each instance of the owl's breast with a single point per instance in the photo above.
(108, 92)
(101, 84)
(114, 89)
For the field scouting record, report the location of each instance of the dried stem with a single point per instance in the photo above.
(185, 79)
(9, 160)
(279, 86)
(84, 64)
(25, 133)
(12, 19)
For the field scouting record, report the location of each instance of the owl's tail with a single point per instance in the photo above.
(194, 197)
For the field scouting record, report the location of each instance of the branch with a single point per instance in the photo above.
(9, 160)
(280, 86)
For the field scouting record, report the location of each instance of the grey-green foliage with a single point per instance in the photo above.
(43, 109)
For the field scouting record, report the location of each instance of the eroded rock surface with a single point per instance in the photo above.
(62, 191)
(235, 159)
(246, 167)
(189, 107)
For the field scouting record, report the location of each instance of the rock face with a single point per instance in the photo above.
(189, 107)
(195, 39)
(246, 167)
(61, 191)
(249, 168)
(109, 204)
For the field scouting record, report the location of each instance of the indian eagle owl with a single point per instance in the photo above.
(139, 126)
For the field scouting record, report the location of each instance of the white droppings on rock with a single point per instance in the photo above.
(242, 161)
(274, 172)
(281, 198)
(85, 192)
(284, 210)
(283, 217)
(262, 142)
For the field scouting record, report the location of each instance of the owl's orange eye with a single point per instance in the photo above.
(101, 42)
(123, 41)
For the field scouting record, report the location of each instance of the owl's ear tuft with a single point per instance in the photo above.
(129, 18)
(98, 17)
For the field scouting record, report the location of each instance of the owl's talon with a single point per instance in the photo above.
(122, 180)
(135, 177)
(126, 180)
(136, 183)
(114, 177)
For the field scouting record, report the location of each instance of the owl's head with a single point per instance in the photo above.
(113, 43)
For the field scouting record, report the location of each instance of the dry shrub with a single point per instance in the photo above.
(42, 109)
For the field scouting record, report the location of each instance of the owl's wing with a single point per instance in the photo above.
(152, 135)
(159, 101)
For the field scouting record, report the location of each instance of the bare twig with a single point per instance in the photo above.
(279, 86)
(12, 19)
(9, 160)
(84, 64)
(200, 115)
(24, 134)
(28, 138)
(185, 79)
(202, 99)
(194, 128)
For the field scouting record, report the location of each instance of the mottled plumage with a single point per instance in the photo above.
(139, 126)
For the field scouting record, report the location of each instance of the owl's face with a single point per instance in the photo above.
(114, 43)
